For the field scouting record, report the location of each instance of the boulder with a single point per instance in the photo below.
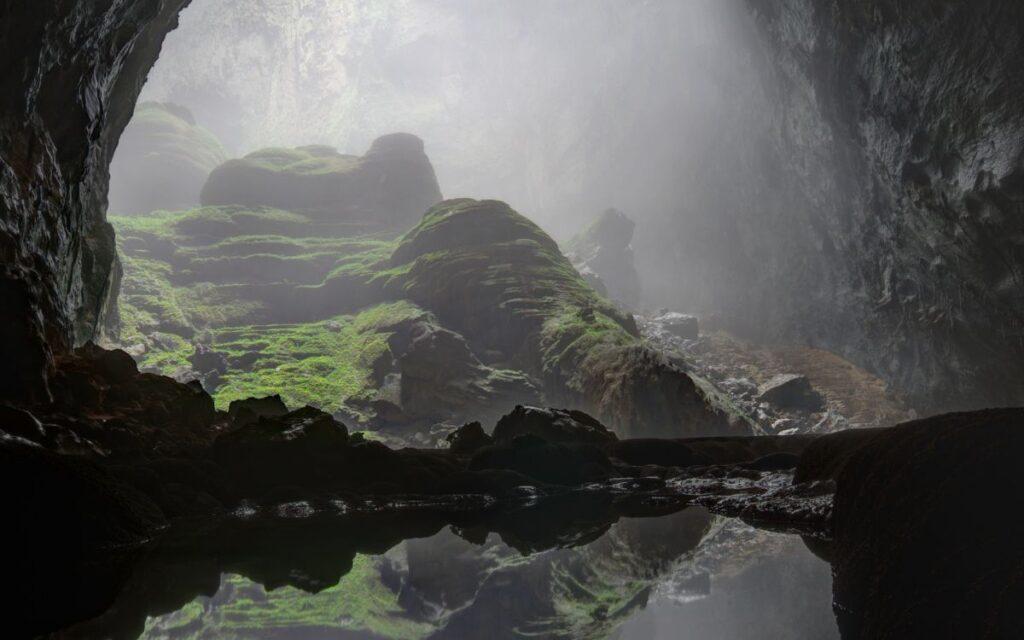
(791, 391)
(553, 425)
(204, 359)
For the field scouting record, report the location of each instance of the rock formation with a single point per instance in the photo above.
(162, 161)
(604, 251)
(391, 185)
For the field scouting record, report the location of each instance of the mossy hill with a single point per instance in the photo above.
(163, 159)
(471, 311)
(393, 183)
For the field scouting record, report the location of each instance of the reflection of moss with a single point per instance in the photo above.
(360, 602)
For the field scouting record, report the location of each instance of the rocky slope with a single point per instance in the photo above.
(469, 313)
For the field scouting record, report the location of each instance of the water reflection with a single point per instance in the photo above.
(687, 574)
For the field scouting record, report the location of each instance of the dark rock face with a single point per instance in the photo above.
(922, 543)
(162, 160)
(894, 236)
(73, 73)
(604, 250)
(392, 184)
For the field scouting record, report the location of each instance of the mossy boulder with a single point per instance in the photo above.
(391, 185)
(162, 160)
(495, 277)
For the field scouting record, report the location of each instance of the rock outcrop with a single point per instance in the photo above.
(391, 185)
(499, 280)
(73, 74)
(162, 161)
(925, 541)
(604, 250)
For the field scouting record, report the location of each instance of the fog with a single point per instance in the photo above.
(559, 108)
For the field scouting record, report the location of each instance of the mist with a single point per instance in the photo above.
(561, 109)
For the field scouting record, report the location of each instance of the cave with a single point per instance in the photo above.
(584, 319)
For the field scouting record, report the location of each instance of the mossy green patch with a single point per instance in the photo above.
(245, 610)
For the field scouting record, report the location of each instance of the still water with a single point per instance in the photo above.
(685, 575)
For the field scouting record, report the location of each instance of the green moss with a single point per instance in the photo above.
(320, 363)
(359, 602)
(312, 160)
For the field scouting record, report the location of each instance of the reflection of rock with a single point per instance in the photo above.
(162, 160)
(603, 255)
(392, 184)
(791, 391)
(469, 438)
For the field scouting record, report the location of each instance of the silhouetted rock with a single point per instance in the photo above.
(553, 425)
(922, 543)
(252, 409)
(468, 438)
(791, 391)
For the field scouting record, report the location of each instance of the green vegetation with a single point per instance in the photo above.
(359, 602)
(311, 160)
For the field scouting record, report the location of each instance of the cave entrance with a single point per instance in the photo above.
(279, 151)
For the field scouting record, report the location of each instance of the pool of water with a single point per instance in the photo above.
(689, 574)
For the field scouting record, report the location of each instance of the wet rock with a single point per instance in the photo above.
(306, 428)
(680, 325)
(468, 438)
(603, 250)
(19, 423)
(791, 391)
(552, 425)
(663, 453)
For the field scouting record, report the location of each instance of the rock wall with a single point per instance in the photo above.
(889, 226)
(72, 71)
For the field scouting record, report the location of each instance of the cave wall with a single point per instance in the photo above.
(71, 72)
(889, 225)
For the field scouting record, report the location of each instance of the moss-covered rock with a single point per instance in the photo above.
(391, 185)
(162, 160)
(498, 279)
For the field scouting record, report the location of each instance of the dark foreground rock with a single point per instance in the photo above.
(926, 538)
